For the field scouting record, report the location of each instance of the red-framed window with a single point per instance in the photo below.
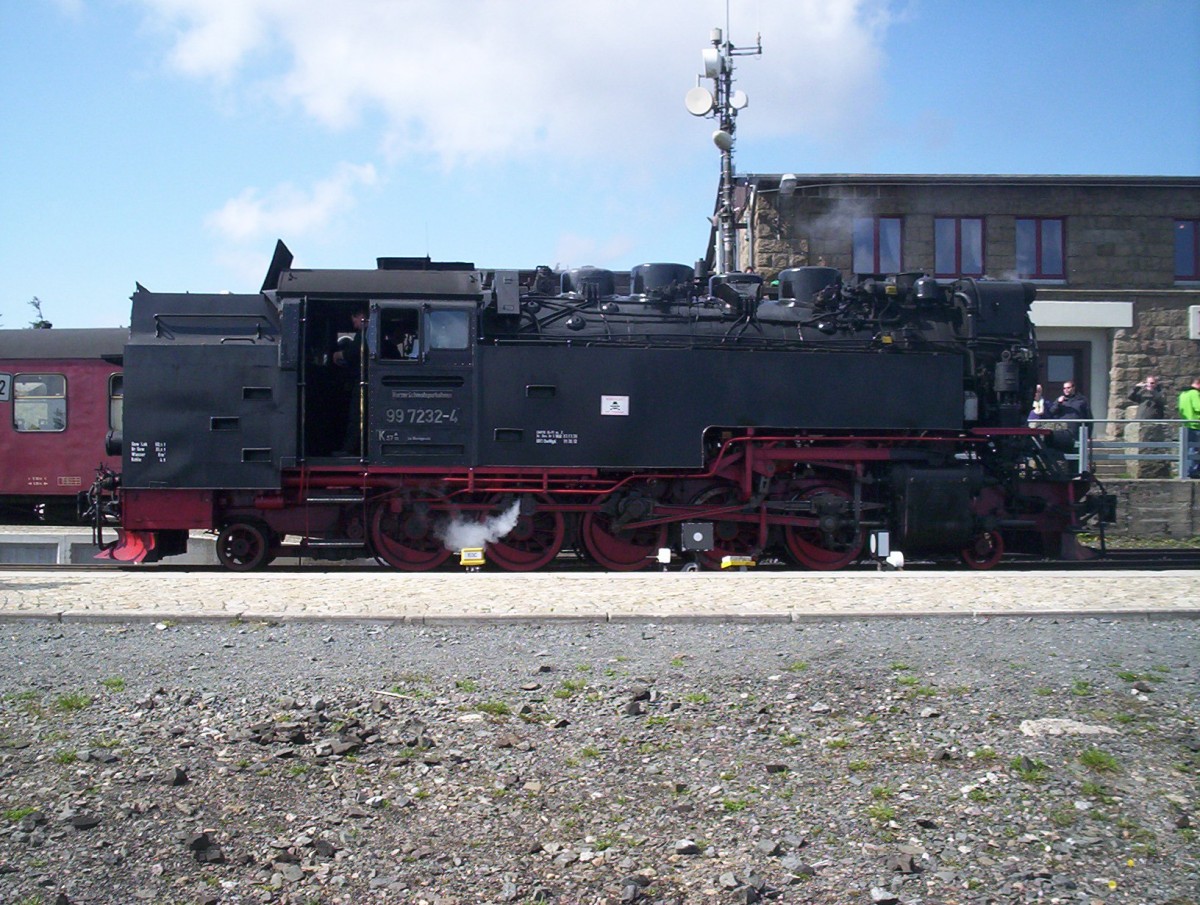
(958, 246)
(1041, 248)
(877, 244)
(39, 403)
(1187, 249)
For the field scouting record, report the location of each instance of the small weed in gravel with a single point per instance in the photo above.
(72, 701)
(1029, 769)
(1064, 817)
(569, 688)
(1099, 761)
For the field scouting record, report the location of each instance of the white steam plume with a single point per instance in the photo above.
(461, 534)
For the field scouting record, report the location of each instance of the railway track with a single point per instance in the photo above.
(1152, 559)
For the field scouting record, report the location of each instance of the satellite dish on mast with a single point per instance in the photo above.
(738, 100)
(699, 101)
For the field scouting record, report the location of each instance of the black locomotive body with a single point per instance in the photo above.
(532, 411)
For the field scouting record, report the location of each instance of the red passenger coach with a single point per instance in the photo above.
(60, 394)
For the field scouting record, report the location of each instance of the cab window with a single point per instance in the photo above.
(40, 402)
(116, 401)
(449, 330)
(400, 334)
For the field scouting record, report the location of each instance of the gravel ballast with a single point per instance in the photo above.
(908, 761)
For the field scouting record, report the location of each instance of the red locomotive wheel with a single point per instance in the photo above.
(243, 546)
(406, 540)
(830, 546)
(984, 551)
(533, 542)
(730, 538)
(621, 551)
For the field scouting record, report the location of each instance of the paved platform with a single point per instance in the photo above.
(162, 595)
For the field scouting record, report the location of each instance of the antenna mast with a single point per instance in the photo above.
(722, 103)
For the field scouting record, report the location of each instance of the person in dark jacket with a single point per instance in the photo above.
(1071, 404)
(1151, 401)
(1151, 404)
(348, 358)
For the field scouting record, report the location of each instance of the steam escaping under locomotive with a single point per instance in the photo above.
(383, 412)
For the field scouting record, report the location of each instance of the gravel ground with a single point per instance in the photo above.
(907, 761)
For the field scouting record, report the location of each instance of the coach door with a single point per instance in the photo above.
(420, 401)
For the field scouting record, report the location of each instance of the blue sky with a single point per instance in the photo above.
(170, 142)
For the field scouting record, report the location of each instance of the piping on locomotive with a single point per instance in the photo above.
(613, 414)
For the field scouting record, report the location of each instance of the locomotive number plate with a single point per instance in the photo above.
(421, 416)
(5, 387)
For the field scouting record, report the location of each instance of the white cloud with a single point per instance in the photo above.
(289, 210)
(474, 79)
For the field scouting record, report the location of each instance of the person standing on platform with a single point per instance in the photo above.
(1151, 404)
(1073, 405)
(1189, 411)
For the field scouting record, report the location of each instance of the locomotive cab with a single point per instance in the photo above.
(396, 391)
(420, 386)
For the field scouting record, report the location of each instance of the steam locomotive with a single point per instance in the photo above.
(724, 419)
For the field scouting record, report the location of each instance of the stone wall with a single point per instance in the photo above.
(1117, 236)
(1156, 510)
(1156, 344)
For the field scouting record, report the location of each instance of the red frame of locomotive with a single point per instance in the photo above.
(399, 511)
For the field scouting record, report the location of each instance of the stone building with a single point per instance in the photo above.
(1116, 258)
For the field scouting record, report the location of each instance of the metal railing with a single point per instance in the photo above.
(1143, 442)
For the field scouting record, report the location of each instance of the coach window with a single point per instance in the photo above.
(40, 402)
(116, 401)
